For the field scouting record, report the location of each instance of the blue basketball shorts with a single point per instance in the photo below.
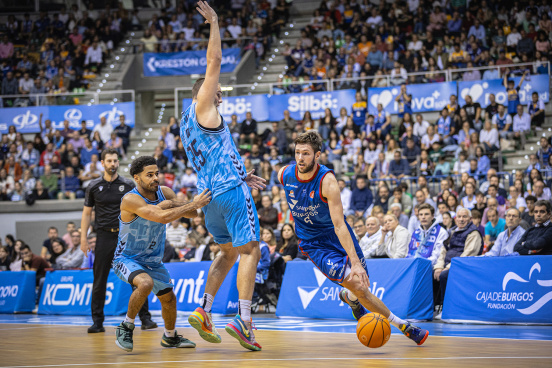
(231, 217)
(327, 253)
(126, 269)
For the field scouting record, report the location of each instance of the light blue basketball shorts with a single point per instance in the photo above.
(232, 217)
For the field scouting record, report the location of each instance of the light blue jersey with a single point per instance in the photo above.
(142, 240)
(213, 154)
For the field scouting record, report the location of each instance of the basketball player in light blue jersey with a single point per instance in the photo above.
(327, 240)
(138, 258)
(231, 217)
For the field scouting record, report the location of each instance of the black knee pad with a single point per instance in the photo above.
(133, 276)
(164, 291)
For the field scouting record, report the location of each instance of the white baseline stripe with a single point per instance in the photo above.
(265, 360)
(161, 324)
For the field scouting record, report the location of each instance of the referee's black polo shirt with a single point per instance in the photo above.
(106, 197)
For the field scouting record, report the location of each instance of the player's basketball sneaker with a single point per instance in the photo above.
(178, 341)
(416, 334)
(237, 328)
(124, 336)
(356, 307)
(202, 322)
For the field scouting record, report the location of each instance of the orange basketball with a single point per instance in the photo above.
(373, 330)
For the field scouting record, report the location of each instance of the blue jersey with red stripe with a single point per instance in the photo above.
(308, 208)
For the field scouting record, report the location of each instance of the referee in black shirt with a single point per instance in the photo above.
(105, 194)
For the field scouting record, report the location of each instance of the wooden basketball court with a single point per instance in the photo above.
(28, 345)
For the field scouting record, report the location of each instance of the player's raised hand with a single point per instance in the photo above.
(208, 13)
(358, 271)
(254, 181)
(203, 199)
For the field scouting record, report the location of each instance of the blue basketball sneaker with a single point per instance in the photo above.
(356, 307)
(416, 334)
(237, 328)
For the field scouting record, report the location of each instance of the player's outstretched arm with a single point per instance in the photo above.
(330, 190)
(254, 181)
(206, 111)
(172, 202)
(134, 205)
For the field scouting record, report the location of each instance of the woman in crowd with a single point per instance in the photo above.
(394, 240)
(10, 243)
(16, 260)
(288, 247)
(452, 202)
(469, 200)
(405, 123)
(307, 121)
(425, 164)
(341, 121)
(58, 248)
(327, 123)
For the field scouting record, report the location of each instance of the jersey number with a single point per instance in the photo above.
(196, 154)
(152, 245)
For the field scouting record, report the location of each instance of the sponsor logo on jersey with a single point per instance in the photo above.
(121, 188)
(100, 188)
(311, 194)
(291, 194)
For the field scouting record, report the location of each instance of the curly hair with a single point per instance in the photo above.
(311, 138)
(138, 164)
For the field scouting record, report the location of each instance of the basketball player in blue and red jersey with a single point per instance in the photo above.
(231, 217)
(314, 198)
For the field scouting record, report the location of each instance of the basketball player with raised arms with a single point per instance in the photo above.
(231, 217)
(327, 240)
(138, 258)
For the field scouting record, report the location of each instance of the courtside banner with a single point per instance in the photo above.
(70, 293)
(189, 279)
(314, 102)
(17, 291)
(404, 285)
(271, 107)
(186, 62)
(25, 119)
(425, 97)
(257, 105)
(479, 91)
(499, 289)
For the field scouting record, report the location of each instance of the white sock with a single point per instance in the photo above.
(170, 333)
(128, 319)
(396, 321)
(207, 302)
(352, 297)
(245, 310)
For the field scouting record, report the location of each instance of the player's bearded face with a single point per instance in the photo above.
(305, 160)
(306, 167)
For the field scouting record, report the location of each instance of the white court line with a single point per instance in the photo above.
(276, 330)
(265, 360)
